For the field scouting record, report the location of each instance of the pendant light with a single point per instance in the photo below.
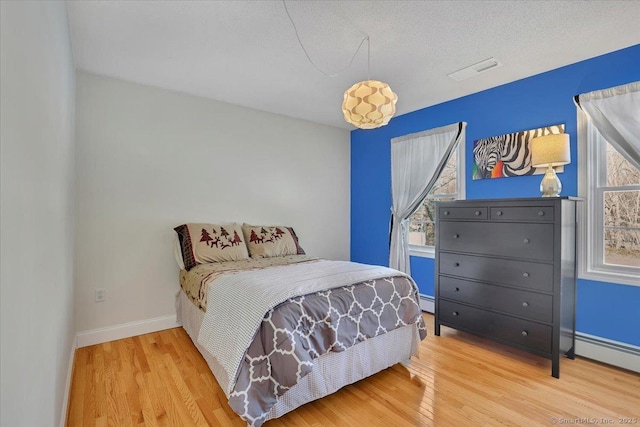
(368, 104)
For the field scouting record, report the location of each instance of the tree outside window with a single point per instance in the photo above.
(620, 198)
(609, 247)
(422, 222)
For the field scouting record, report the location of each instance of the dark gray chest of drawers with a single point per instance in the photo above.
(505, 270)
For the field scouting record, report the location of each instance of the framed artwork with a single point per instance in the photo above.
(509, 155)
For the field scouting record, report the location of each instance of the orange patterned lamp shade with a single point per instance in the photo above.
(369, 104)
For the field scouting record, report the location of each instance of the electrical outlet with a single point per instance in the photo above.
(100, 294)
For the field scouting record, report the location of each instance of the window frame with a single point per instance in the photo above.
(426, 251)
(591, 187)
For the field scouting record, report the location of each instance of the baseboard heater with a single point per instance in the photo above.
(611, 352)
(427, 303)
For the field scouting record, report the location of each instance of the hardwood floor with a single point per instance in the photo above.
(160, 379)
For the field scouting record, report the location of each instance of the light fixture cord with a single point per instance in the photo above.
(365, 38)
(368, 57)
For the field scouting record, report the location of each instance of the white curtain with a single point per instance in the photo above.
(416, 163)
(615, 113)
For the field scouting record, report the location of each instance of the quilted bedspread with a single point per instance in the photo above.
(265, 327)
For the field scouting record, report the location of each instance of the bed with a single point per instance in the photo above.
(279, 328)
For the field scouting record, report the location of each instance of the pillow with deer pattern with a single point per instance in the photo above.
(203, 243)
(269, 241)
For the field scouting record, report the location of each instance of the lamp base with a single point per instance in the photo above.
(550, 185)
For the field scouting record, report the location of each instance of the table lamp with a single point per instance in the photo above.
(550, 150)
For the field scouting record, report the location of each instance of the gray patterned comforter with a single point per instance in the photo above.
(302, 328)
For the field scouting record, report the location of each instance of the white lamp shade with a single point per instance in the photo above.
(369, 104)
(550, 150)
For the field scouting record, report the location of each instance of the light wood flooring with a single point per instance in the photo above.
(160, 379)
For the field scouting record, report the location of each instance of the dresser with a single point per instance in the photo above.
(505, 269)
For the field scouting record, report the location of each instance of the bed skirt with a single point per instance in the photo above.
(331, 371)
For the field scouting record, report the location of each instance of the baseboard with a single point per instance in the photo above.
(427, 303)
(67, 386)
(126, 330)
(611, 352)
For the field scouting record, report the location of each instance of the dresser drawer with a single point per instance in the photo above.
(531, 241)
(462, 213)
(524, 274)
(513, 301)
(524, 213)
(517, 331)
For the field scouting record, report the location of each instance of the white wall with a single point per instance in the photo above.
(37, 83)
(150, 159)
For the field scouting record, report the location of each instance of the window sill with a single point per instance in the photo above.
(609, 277)
(422, 251)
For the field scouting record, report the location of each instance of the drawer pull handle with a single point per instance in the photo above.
(524, 333)
(455, 313)
(499, 213)
(540, 213)
(446, 212)
(457, 290)
(456, 264)
(455, 236)
(525, 274)
(525, 304)
(526, 240)
(477, 213)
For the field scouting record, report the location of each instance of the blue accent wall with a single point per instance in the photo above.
(423, 272)
(609, 310)
(603, 309)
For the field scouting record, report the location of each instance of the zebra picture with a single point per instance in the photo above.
(508, 155)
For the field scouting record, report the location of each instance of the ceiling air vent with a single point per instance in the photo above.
(475, 69)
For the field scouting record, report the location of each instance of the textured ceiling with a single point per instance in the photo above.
(246, 52)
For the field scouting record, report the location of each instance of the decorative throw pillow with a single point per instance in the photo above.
(270, 241)
(202, 243)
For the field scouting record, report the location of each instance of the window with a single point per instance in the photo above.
(449, 186)
(612, 223)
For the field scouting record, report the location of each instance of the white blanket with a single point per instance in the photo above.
(237, 303)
